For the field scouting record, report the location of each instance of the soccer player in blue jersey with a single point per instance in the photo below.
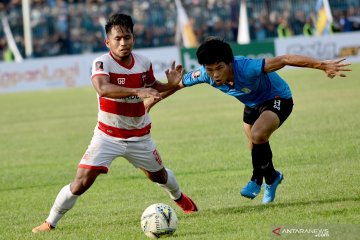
(267, 98)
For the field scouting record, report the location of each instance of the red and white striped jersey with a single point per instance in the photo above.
(124, 118)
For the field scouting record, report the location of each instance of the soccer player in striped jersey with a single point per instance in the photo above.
(267, 98)
(122, 79)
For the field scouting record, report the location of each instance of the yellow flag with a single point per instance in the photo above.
(323, 18)
(185, 27)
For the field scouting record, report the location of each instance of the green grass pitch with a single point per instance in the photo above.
(198, 132)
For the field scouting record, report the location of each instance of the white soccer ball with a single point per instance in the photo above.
(159, 220)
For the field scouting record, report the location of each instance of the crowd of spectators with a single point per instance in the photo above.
(62, 27)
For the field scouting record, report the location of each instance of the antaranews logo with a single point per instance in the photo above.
(309, 231)
(315, 231)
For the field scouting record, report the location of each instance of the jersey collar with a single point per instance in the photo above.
(121, 63)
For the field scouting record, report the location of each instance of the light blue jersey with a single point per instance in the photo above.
(252, 86)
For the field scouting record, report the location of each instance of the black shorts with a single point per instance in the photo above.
(282, 107)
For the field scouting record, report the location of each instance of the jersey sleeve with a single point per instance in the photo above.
(195, 77)
(100, 67)
(253, 68)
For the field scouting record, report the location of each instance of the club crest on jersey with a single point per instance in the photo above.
(195, 74)
(99, 66)
(121, 81)
(246, 90)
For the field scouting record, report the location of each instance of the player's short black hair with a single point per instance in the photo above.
(214, 50)
(119, 19)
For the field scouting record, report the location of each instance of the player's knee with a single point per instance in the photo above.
(259, 137)
(79, 187)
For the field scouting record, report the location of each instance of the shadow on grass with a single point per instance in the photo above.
(260, 208)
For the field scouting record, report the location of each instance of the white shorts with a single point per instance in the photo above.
(103, 149)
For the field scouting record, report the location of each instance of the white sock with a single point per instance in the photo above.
(171, 186)
(64, 201)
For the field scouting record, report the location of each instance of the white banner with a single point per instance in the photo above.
(334, 46)
(70, 71)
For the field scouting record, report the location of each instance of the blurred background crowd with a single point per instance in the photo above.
(62, 27)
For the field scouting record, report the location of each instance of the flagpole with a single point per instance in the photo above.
(27, 28)
(243, 36)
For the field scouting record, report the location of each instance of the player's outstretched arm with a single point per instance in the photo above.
(174, 75)
(331, 68)
(104, 88)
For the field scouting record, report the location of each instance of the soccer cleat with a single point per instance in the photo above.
(186, 204)
(251, 190)
(44, 227)
(270, 190)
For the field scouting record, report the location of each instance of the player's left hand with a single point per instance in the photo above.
(336, 67)
(174, 74)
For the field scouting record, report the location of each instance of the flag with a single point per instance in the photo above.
(10, 39)
(184, 26)
(243, 36)
(323, 17)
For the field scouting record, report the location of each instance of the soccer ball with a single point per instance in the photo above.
(159, 220)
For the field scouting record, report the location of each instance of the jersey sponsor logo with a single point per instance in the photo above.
(99, 66)
(130, 98)
(132, 80)
(121, 81)
(246, 90)
(277, 104)
(195, 74)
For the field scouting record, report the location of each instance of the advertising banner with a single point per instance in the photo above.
(70, 71)
(334, 46)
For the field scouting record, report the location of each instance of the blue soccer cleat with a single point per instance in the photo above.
(270, 190)
(251, 190)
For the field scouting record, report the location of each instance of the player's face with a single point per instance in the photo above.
(120, 41)
(219, 72)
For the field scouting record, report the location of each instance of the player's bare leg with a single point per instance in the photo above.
(247, 129)
(264, 126)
